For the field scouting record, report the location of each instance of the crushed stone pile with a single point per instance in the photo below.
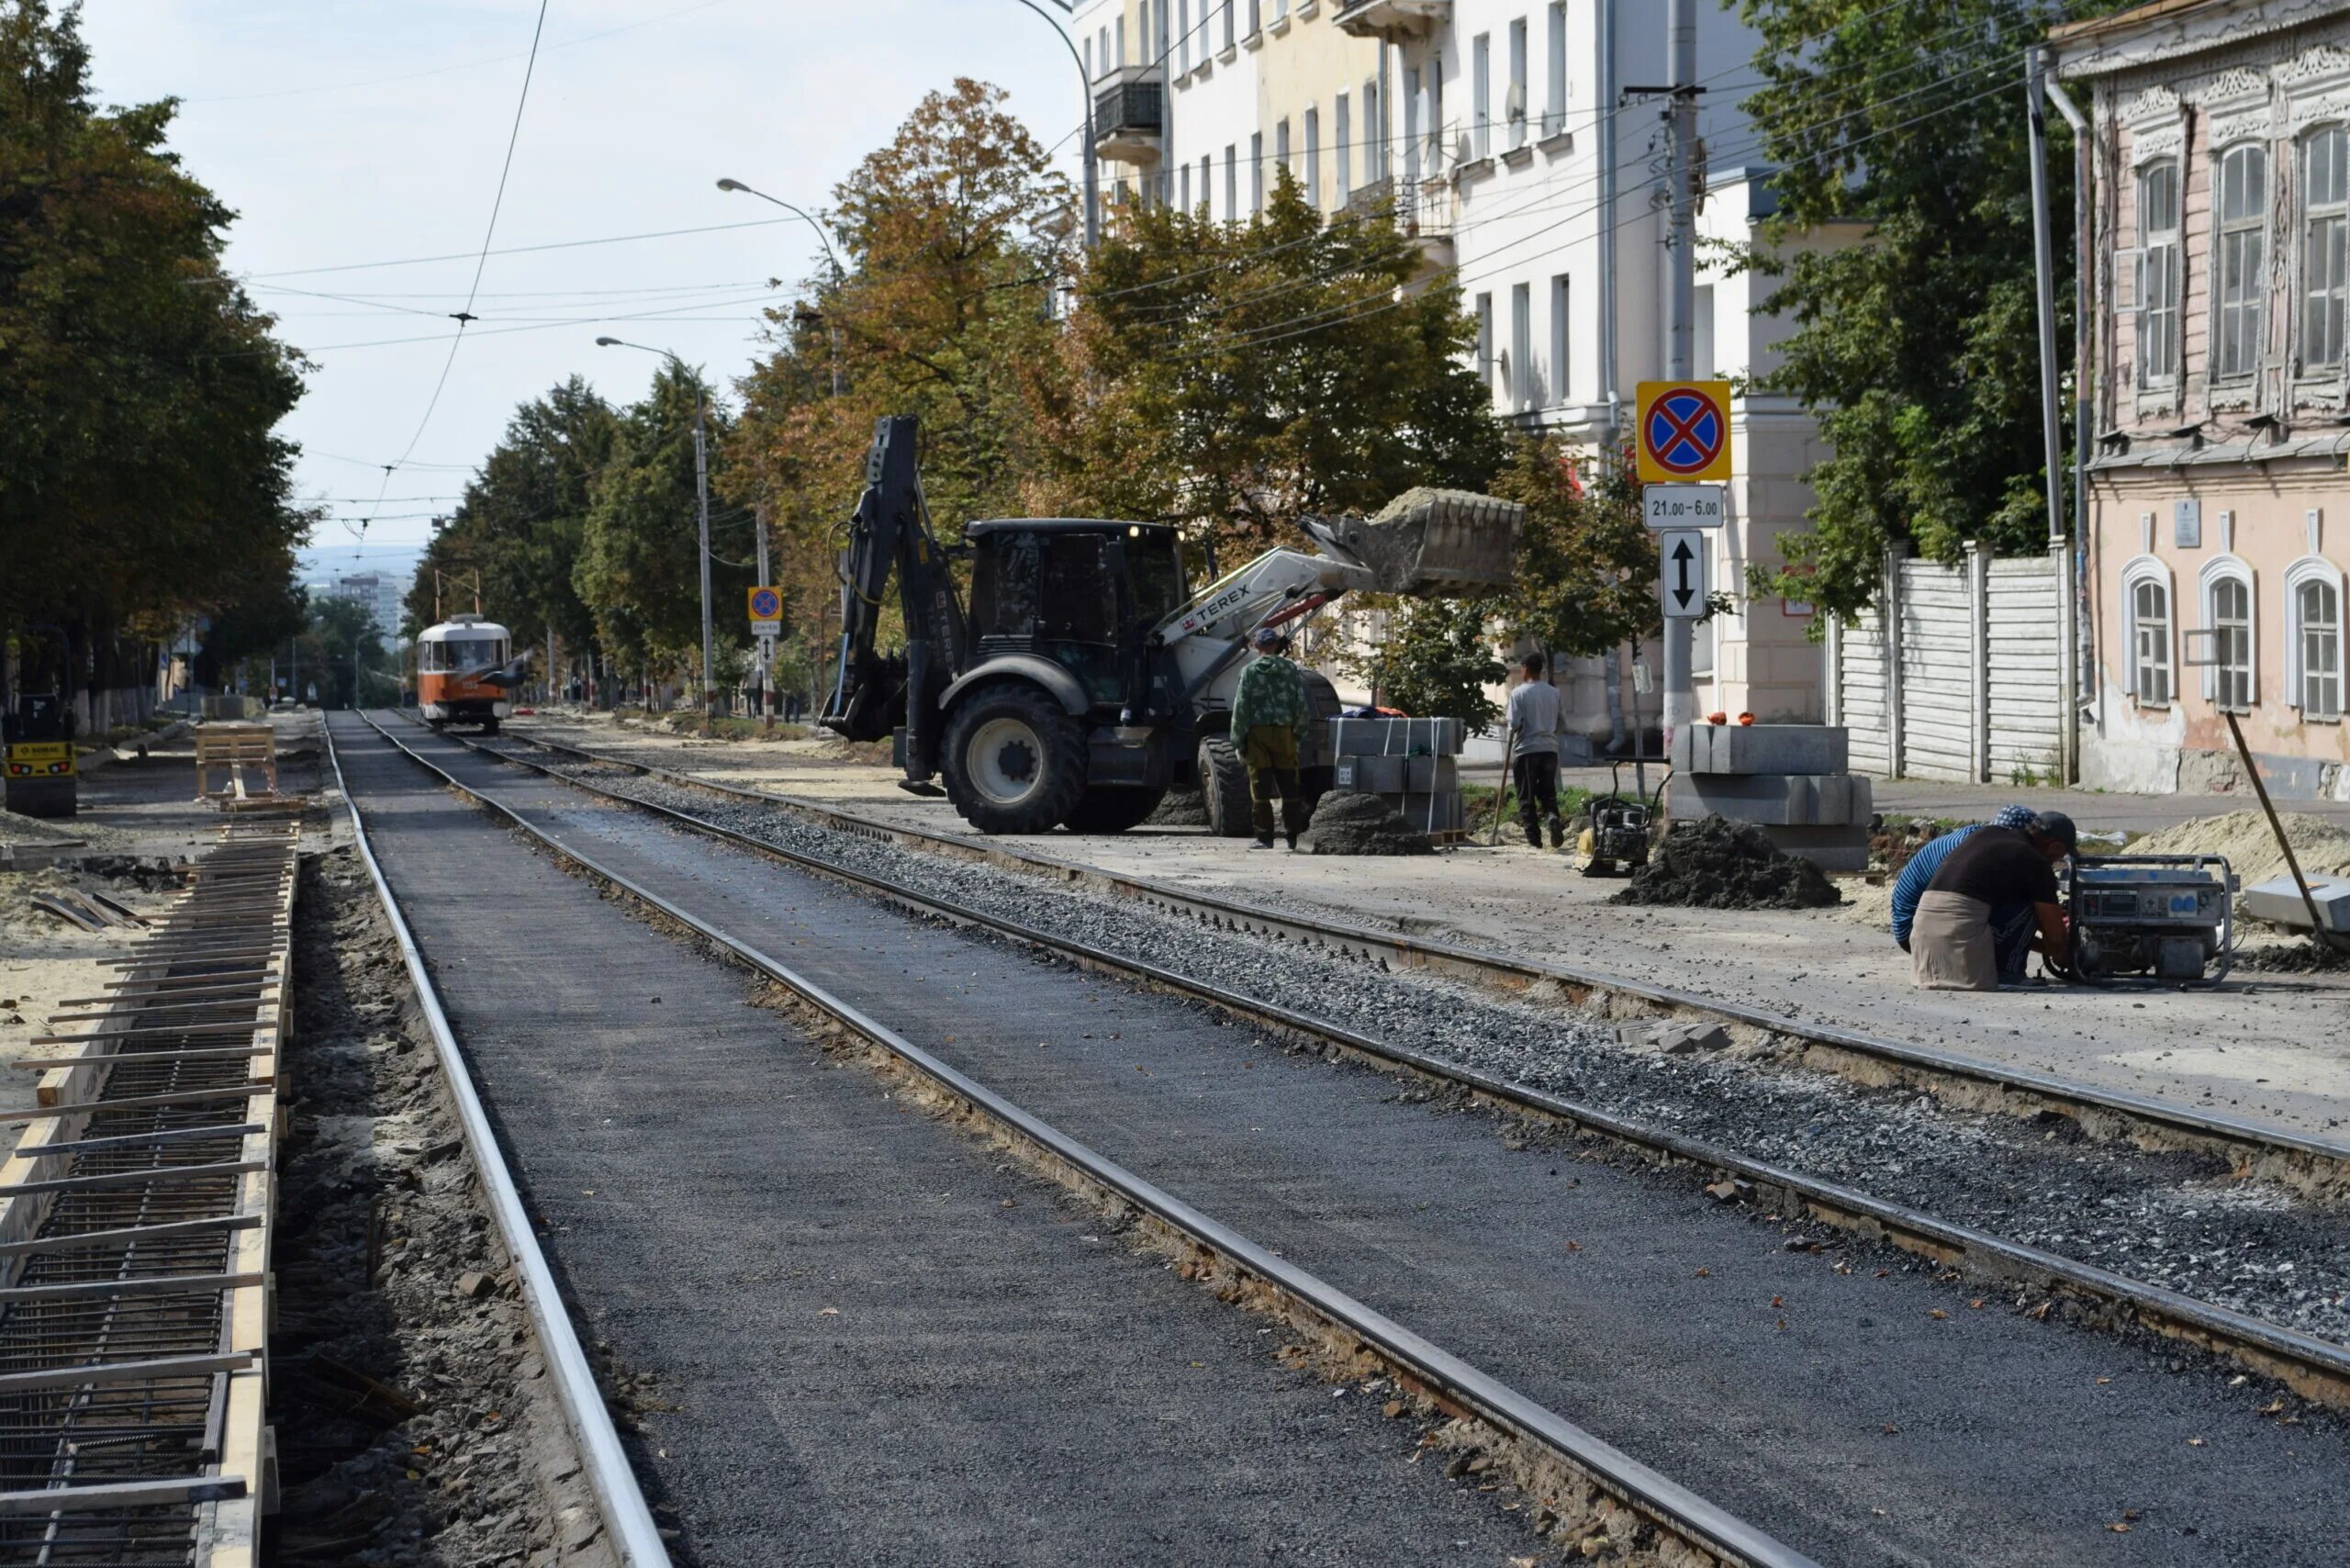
(1719, 864)
(2322, 846)
(1348, 824)
(1180, 808)
(2306, 955)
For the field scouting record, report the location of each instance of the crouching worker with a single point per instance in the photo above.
(1977, 920)
(1917, 871)
(1267, 718)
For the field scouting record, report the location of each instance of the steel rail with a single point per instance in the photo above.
(2316, 1368)
(1663, 1501)
(2036, 1089)
(619, 1496)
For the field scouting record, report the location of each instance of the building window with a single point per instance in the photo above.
(1554, 106)
(2243, 232)
(2157, 274)
(2150, 641)
(1481, 96)
(1514, 107)
(1255, 174)
(1560, 378)
(2227, 616)
(1229, 34)
(1121, 36)
(1232, 182)
(1089, 75)
(1256, 16)
(1207, 185)
(1185, 197)
(1374, 136)
(1183, 36)
(1145, 55)
(2325, 259)
(1521, 345)
(1281, 148)
(2313, 640)
(1314, 158)
(1485, 340)
(1342, 122)
(1411, 124)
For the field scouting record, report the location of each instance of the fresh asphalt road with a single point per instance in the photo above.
(1866, 1419)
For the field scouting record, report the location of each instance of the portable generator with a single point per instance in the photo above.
(2166, 918)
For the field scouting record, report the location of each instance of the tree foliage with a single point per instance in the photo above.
(523, 519)
(1438, 661)
(1237, 377)
(1585, 579)
(1914, 346)
(143, 386)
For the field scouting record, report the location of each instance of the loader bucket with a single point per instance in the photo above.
(1435, 542)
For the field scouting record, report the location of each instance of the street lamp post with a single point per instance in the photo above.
(832, 333)
(1085, 85)
(701, 492)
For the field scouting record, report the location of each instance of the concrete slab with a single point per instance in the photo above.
(1760, 748)
(1775, 799)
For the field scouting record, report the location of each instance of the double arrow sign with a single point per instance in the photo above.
(1681, 573)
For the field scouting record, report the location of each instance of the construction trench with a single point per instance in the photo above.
(807, 1391)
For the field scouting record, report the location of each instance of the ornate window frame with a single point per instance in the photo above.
(2231, 568)
(2312, 569)
(2156, 121)
(2136, 572)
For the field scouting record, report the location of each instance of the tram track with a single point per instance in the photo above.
(2312, 1166)
(2314, 1366)
(1597, 1491)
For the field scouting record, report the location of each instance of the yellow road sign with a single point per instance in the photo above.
(1682, 431)
(766, 605)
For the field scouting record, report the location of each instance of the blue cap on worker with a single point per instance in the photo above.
(1268, 637)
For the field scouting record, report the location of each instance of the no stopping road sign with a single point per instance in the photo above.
(1682, 430)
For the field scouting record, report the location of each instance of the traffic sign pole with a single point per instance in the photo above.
(1681, 247)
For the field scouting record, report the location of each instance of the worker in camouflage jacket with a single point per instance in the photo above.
(1269, 719)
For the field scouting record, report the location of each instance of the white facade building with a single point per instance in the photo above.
(1490, 126)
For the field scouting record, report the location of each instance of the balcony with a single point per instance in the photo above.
(1424, 210)
(1397, 21)
(1130, 115)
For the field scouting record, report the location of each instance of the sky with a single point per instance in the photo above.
(349, 133)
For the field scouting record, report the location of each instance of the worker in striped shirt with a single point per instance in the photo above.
(1917, 872)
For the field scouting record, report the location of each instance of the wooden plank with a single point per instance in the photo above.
(107, 1009)
(132, 1178)
(169, 995)
(265, 973)
(154, 1284)
(123, 1372)
(63, 912)
(243, 1028)
(121, 1495)
(127, 1236)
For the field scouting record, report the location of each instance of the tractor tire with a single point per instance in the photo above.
(1014, 761)
(1113, 808)
(1224, 787)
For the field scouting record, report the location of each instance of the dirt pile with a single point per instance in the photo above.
(415, 1420)
(2322, 846)
(1348, 824)
(2305, 956)
(1718, 863)
(1181, 808)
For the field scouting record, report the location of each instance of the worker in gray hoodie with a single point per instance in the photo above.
(1535, 713)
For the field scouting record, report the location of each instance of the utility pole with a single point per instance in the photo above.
(1680, 272)
(766, 645)
(701, 489)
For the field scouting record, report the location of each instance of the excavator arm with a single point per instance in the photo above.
(889, 533)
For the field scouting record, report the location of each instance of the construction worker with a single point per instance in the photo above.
(1534, 714)
(1974, 922)
(1917, 871)
(1268, 721)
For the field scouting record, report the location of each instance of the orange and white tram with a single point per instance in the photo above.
(459, 668)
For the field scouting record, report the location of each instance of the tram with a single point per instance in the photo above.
(461, 672)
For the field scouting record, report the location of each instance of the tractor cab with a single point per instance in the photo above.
(1076, 591)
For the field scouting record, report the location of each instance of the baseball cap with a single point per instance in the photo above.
(2058, 826)
(1268, 637)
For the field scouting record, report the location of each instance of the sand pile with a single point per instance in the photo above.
(1348, 824)
(1718, 863)
(1180, 808)
(2322, 845)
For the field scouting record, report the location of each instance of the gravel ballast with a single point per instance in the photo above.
(2175, 1220)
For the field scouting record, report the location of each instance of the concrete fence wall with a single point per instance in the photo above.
(1955, 674)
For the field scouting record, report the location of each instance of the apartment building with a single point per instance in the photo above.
(2217, 507)
(1493, 129)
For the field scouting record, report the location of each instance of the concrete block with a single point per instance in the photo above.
(1429, 812)
(1396, 737)
(1781, 800)
(1760, 748)
(1396, 774)
(1830, 848)
(2279, 900)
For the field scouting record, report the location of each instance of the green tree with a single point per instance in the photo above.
(1914, 346)
(1439, 660)
(1237, 377)
(1586, 582)
(524, 517)
(140, 477)
(638, 570)
(351, 655)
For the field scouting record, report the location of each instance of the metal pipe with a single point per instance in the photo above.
(1681, 289)
(2043, 252)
